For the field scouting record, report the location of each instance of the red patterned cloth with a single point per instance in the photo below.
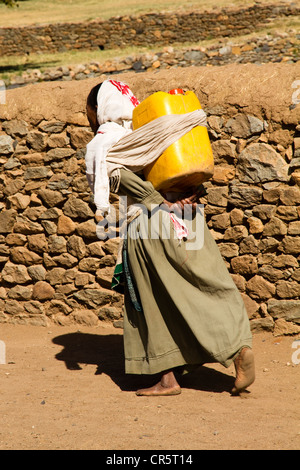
(125, 90)
(179, 226)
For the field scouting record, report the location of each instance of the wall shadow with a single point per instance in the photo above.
(106, 352)
(17, 67)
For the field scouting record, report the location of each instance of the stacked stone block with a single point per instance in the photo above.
(53, 266)
(252, 209)
(55, 269)
(143, 30)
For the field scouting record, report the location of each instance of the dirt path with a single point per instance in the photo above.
(62, 388)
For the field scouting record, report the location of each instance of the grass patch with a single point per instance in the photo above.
(47, 60)
(60, 11)
(15, 65)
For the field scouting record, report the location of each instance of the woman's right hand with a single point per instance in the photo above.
(186, 205)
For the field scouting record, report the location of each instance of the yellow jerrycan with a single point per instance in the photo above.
(186, 163)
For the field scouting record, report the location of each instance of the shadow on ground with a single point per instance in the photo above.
(22, 67)
(107, 354)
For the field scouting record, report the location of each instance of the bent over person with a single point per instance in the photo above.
(182, 308)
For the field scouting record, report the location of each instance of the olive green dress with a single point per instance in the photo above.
(192, 312)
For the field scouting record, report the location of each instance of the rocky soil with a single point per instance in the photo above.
(64, 388)
(275, 48)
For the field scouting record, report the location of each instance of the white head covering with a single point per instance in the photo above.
(115, 103)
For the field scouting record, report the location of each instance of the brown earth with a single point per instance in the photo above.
(249, 87)
(64, 388)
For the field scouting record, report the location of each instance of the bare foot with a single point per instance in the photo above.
(245, 371)
(167, 386)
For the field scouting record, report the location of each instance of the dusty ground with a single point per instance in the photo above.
(65, 388)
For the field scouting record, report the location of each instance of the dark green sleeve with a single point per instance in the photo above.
(138, 190)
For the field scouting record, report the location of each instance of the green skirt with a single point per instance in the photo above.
(192, 312)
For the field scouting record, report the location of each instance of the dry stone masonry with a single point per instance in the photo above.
(53, 266)
(276, 47)
(149, 29)
(52, 262)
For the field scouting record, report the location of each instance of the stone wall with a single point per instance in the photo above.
(145, 30)
(272, 48)
(53, 266)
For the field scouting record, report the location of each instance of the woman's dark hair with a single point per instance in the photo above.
(92, 97)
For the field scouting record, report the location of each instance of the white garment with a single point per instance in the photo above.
(95, 158)
(115, 103)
